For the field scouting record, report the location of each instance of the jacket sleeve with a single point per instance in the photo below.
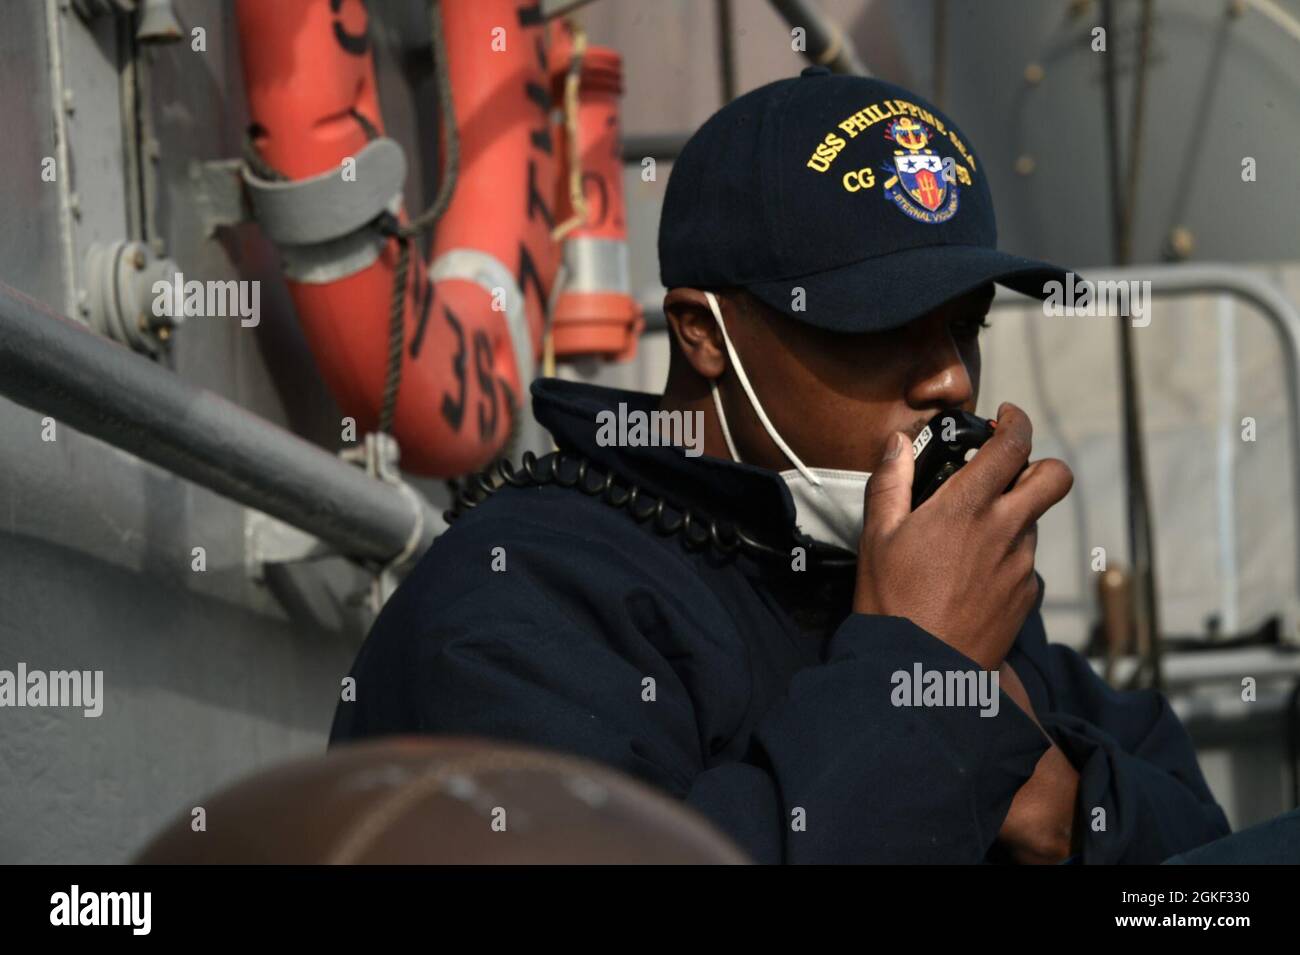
(1142, 797)
(877, 782)
(834, 772)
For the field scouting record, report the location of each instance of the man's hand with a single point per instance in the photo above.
(1039, 828)
(962, 565)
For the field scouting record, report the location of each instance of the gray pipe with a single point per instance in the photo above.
(54, 366)
(660, 146)
(827, 43)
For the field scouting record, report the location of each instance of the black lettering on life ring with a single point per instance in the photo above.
(530, 15)
(453, 411)
(541, 137)
(527, 275)
(426, 303)
(537, 199)
(487, 406)
(540, 49)
(358, 44)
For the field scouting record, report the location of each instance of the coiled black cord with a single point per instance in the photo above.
(569, 469)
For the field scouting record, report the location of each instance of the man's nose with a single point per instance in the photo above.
(940, 377)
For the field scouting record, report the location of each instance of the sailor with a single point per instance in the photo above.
(727, 626)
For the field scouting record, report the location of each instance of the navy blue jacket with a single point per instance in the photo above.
(772, 710)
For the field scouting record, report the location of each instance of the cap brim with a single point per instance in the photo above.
(887, 291)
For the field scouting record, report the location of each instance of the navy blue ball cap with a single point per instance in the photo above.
(841, 201)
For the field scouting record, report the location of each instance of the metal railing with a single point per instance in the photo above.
(56, 367)
(1241, 284)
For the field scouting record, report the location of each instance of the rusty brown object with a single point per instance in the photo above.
(417, 800)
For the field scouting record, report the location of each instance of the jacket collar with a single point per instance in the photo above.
(753, 498)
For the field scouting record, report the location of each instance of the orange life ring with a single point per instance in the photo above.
(473, 319)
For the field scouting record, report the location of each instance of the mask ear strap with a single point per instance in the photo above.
(809, 476)
(722, 420)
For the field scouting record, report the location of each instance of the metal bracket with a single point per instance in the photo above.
(271, 541)
(379, 455)
(327, 207)
(221, 200)
(318, 224)
(119, 278)
(218, 192)
(158, 22)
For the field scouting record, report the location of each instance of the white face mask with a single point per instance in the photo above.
(829, 504)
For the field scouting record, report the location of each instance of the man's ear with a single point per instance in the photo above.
(697, 334)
